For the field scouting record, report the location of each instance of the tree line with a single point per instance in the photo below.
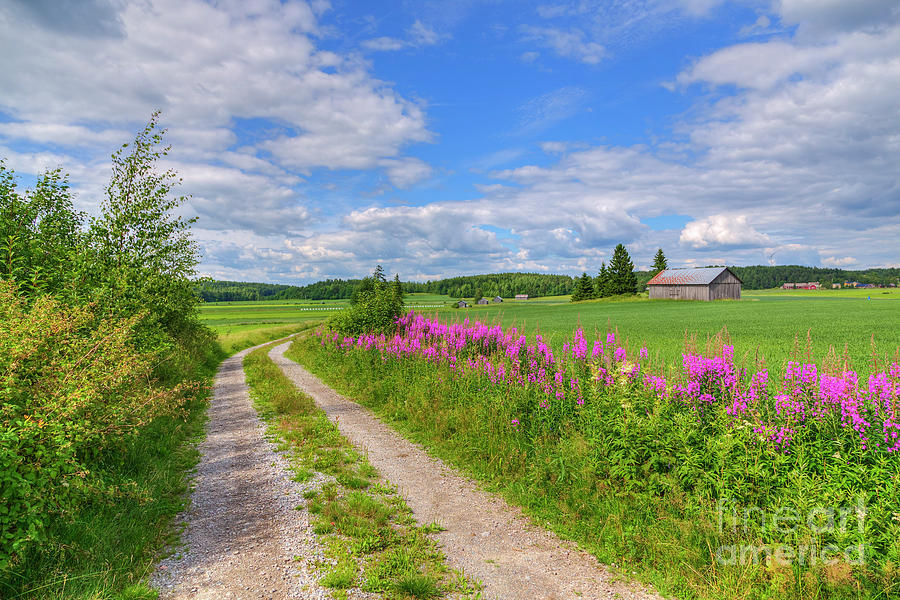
(612, 279)
(506, 285)
(765, 277)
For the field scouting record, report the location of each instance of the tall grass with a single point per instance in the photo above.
(665, 488)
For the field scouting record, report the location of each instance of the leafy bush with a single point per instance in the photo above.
(72, 386)
(99, 336)
(375, 306)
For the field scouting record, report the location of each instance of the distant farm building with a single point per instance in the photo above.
(483, 301)
(812, 285)
(709, 283)
(462, 304)
(521, 296)
(497, 300)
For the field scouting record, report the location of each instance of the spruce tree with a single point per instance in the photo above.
(621, 273)
(602, 282)
(659, 262)
(378, 275)
(584, 288)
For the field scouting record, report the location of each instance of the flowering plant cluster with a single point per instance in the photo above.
(808, 401)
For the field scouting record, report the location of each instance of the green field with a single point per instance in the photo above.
(764, 324)
(237, 317)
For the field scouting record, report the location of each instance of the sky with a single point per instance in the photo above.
(446, 137)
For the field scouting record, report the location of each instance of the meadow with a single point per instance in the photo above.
(708, 475)
(768, 325)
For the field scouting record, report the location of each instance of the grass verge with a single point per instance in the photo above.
(106, 549)
(670, 538)
(370, 540)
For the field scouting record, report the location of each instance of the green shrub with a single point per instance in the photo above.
(374, 307)
(72, 386)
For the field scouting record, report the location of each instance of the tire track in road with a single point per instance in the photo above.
(484, 536)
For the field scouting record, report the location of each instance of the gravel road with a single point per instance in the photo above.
(242, 531)
(485, 537)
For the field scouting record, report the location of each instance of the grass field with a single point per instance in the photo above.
(639, 478)
(763, 324)
(238, 317)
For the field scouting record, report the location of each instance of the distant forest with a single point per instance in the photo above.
(534, 284)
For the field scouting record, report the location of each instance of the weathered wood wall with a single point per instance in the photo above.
(679, 292)
(724, 287)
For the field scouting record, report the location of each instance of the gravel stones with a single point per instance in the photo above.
(243, 528)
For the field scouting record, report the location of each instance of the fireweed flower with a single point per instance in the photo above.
(808, 396)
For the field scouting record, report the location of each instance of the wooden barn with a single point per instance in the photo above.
(709, 283)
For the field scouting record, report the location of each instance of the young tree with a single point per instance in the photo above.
(659, 262)
(143, 255)
(602, 282)
(478, 295)
(375, 306)
(40, 235)
(584, 288)
(621, 273)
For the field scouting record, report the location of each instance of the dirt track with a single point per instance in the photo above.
(484, 536)
(242, 530)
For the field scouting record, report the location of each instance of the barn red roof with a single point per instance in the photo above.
(702, 276)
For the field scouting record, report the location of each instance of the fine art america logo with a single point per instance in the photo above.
(843, 528)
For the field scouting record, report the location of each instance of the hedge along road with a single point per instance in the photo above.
(483, 536)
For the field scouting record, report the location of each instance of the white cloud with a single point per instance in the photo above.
(540, 113)
(822, 17)
(417, 36)
(208, 67)
(384, 44)
(842, 261)
(63, 134)
(406, 172)
(718, 231)
(572, 43)
(424, 35)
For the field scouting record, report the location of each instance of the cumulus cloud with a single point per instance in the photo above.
(406, 171)
(210, 68)
(819, 17)
(722, 231)
(791, 163)
(839, 261)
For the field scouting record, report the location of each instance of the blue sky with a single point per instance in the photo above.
(442, 138)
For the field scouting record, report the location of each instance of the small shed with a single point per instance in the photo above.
(462, 304)
(521, 296)
(483, 301)
(497, 300)
(709, 283)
